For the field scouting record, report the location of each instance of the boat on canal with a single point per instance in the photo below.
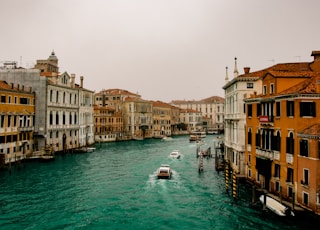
(275, 206)
(164, 172)
(175, 154)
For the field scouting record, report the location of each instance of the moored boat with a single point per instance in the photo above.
(275, 206)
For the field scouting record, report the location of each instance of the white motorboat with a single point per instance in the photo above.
(276, 207)
(175, 154)
(164, 172)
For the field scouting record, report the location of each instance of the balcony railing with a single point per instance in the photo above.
(28, 128)
(265, 153)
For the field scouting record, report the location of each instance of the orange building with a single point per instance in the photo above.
(282, 142)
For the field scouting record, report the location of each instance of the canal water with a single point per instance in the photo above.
(116, 187)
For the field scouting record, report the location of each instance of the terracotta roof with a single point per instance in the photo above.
(292, 74)
(161, 104)
(4, 85)
(117, 92)
(313, 130)
(135, 99)
(308, 86)
(213, 99)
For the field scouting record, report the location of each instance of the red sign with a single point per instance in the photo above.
(264, 118)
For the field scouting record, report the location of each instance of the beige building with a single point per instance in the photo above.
(212, 110)
(137, 118)
(192, 119)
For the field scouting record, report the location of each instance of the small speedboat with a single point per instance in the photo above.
(175, 154)
(164, 172)
(275, 206)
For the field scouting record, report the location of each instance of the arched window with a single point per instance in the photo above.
(70, 99)
(70, 118)
(51, 95)
(75, 118)
(290, 144)
(64, 97)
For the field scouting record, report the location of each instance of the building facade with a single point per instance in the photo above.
(17, 118)
(282, 153)
(212, 109)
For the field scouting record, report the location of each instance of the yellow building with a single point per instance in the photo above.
(161, 119)
(108, 124)
(282, 155)
(16, 122)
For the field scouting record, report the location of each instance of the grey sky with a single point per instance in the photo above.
(163, 49)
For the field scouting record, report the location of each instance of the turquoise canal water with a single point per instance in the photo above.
(116, 187)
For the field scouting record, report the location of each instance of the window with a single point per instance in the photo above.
(289, 175)
(249, 110)
(3, 99)
(57, 118)
(23, 100)
(63, 118)
(51, 118)
(249, 136)
(307, 109)
(264, 90)
(277, 170)
(258, 110)
(249, 85)
(278, 108)
(290, 144)
(9, 99)
(304, 148)
(258, 139)
(277, 188)
(271, 88)
(305, 180)
(51, 95)
(305, 198)
(290, 108)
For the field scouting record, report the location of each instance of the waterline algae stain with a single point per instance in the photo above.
(116, 187)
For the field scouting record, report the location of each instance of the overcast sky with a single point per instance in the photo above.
(163, 49)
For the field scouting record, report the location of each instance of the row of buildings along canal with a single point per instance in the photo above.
(270, 120)
(42, 108)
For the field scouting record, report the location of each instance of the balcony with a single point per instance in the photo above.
(266, 119)
(24, 129)
(264, 153)
(289, 158)
(276, 155)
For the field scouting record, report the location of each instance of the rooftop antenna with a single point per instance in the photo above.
(272, 60)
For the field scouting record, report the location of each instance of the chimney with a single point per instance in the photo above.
(316, 55)
(246, 70)
(12, 85)
(81, 81)
(73, 76)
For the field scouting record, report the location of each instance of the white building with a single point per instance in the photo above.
(236, 90)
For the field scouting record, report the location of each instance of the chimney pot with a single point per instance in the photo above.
(246, 70)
